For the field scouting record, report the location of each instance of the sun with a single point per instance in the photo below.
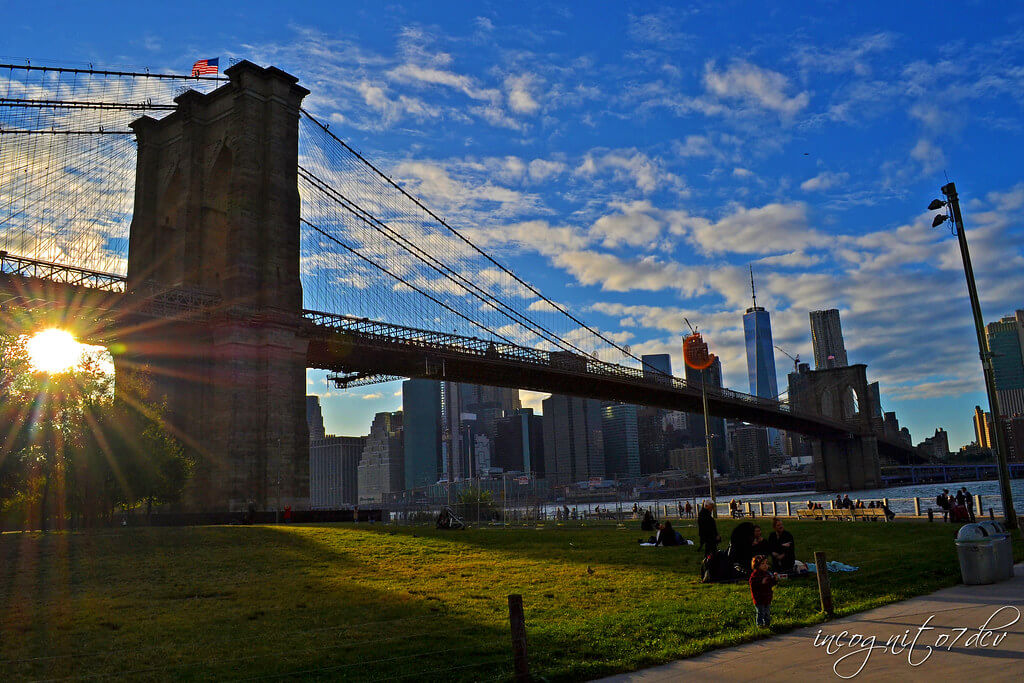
(54, 351)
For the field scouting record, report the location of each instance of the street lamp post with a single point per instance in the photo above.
(953, 202)
(696, 356)
(707, 436)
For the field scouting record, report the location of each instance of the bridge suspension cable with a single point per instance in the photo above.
(392, 193)
(67, 158)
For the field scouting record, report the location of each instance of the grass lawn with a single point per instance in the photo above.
(373, 602)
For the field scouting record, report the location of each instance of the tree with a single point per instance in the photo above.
(74, 447)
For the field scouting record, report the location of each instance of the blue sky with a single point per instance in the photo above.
(634, 158)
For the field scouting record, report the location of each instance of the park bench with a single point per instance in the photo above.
(843, 515)
(809, 514)
(870, 514)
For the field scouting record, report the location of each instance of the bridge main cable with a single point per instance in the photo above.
(355, 252)
(438, 266)
(462, 237)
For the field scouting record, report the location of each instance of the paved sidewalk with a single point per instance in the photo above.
(793, 656)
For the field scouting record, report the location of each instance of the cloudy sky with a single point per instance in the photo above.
(634, 158)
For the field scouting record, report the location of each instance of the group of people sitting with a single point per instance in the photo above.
(958, 507)
(664, 533)
(735, 508)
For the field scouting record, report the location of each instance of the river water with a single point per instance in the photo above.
(901, 498)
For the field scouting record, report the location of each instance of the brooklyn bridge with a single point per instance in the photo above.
(217, 233)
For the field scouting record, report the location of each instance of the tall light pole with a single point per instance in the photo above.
(696, 356)
(953, 202)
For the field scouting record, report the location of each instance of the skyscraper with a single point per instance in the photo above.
(573, 445)
(421, 408)
(621, 445)
(519, 443)
(751, 446)
(314, 418)
(1006, 342)
(983, 434)
(827, 339)
(757, 332)
(657, 367)
(381, 470)
(333, 471)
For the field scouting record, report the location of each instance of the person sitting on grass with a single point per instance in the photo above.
(666, 534)
(648, 521)
(782, 546)
(759, 544)
(761, 582)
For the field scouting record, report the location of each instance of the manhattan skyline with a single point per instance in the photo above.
(633, 165)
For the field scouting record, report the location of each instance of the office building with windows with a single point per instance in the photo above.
(827, 340)
(621, 440)
(421, 419)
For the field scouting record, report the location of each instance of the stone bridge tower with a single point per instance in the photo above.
(842, 394)
(217, 219)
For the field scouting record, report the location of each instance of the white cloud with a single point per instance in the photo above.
(928, 155)
(374, 396)
(823, 181)
(646, 173)
(742, 172)
(766, 229)
(414, 73)
(633, 225)
(756, 86)
(520, 93)
(541, 169)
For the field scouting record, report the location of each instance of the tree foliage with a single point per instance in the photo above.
(75, 446)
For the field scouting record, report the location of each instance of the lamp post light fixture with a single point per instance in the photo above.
(952, 202)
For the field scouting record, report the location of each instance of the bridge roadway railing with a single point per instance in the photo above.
(102, 297)
(379, 333)
(55, 272)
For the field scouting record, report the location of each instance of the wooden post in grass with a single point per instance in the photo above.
(517, 622)
(917, 507)
(824, 586)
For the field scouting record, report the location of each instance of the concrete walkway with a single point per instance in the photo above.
(963, 655)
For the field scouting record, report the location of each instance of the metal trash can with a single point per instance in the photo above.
(1003, 547)
(977, 553)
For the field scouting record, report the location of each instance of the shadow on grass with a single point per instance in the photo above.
(217, 603)
(358, 602)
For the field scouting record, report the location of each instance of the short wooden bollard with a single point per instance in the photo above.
(517, 623)
(824, 586)
(992, 514)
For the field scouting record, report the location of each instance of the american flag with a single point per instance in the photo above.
(205, 66)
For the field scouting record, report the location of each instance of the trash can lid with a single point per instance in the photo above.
(975, 533)
(993, 527)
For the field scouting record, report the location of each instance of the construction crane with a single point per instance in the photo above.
(795, 359)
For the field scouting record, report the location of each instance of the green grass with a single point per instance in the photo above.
(339, 602)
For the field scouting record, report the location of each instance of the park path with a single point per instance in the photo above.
(793, 656)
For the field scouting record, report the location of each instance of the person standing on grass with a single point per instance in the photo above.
(942, 500)
(761, 582)
(970, 502)
(707, 529)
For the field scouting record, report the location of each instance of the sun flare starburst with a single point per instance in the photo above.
(54, 351)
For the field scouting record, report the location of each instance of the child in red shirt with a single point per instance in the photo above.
(761, 582)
